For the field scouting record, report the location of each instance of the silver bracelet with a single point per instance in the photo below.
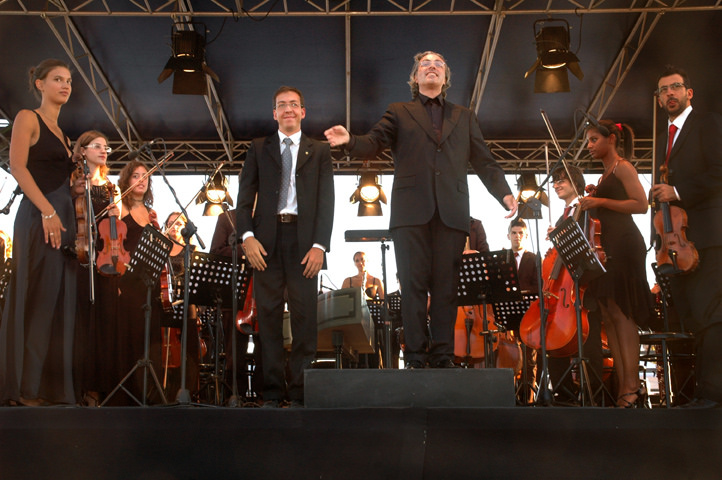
(48, 217)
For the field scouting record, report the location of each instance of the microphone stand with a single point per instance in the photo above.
(234, 400)
(183, 397)
(91, 227)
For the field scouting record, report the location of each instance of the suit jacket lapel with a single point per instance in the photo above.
(451, 118)
(273, 148)
(418, 112)
(688, 125)
(304, 152)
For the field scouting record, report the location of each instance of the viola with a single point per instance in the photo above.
(114, 258)
(246, 318)
(675, 254)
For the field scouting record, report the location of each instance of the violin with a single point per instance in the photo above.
(246, 319)
(81, 239)
(675, 254)
(114, 258)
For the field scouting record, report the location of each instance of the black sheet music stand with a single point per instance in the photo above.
(210, 284)
(487, 277)
(146, 264)
(583, 265)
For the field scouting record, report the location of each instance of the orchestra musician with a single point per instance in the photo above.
(622, 293)
(174, 225)
(569, 190)
(432, 142)
(372, 286)
(137, 212)
(527, 273)
(96, 322)
(694, 183)
(36, 333)
(285, 239)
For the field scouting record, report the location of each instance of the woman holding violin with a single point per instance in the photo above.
(622, 292)
(95, 322)
(137, 212)
(36, 332)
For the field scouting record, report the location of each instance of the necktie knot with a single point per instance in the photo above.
(287, 141)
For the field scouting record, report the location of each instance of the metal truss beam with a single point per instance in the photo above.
(487, 56)
(328, 8)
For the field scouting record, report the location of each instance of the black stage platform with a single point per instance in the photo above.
(162, 443)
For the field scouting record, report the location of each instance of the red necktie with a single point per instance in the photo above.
(672, 131)
(567, 209)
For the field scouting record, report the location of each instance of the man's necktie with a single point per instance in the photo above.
(672, 131)
(567, 209)
(286, 166)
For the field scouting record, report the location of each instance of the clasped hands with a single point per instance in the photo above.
(255, 253)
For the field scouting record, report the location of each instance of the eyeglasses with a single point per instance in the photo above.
(672, 86)
(559, 180)
(428, 63)
(100, 146)
(292, 105)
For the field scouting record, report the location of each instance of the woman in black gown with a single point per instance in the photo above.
(36, 336)
(137, 212)
(95, 327)
(622, 292)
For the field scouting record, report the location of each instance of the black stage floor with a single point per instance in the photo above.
(190, 442)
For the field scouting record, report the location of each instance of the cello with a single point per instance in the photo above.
(559, 298)
(246, 319)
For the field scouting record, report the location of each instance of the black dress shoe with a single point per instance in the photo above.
(701, 403)
(414, 364)
(445, 363)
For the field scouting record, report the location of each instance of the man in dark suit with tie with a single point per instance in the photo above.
(432, 142)
(692, 153)
(289, 178)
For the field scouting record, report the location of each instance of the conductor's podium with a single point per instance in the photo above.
(345, 326)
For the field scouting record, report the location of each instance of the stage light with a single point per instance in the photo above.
(530, 197)
(215, 195)
(369, 195)
(553, 57)
(187, 64)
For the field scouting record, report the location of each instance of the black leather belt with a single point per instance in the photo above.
(287, 217)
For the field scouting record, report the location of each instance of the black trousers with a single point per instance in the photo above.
(284, 274)
(428, 259)
(698, 302)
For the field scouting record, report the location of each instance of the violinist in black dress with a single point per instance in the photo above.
(622, 292)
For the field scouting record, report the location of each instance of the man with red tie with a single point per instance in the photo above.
(693, 158)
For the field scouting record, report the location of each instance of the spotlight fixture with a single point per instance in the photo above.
(530, 198)
(553, 57)
(188, 62)
(215, 195)
(369, 195)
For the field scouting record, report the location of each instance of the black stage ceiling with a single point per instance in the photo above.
(118, 49)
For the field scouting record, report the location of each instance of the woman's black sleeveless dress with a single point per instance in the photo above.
(38, 325)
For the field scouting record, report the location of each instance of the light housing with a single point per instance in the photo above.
(529, 196)
(369, 195)
(553, 57)
(187, 64)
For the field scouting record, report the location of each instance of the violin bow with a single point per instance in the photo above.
(165, 157)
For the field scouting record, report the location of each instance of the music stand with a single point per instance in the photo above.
(487, 277)
(146, 264)
(210, 284)
(583, 265)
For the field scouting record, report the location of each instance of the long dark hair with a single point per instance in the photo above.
(623, 136)
(124, 183)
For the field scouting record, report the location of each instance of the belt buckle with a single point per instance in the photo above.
(286, 217)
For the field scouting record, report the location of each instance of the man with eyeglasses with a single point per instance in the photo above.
(691, 151)
(432, 142)
(289, 178)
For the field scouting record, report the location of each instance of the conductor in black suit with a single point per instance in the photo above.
(694, 162)
(289, 177)
(432, 142)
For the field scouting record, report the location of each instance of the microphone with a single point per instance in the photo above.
(146, 146)
(595, 123)
(6, 209)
